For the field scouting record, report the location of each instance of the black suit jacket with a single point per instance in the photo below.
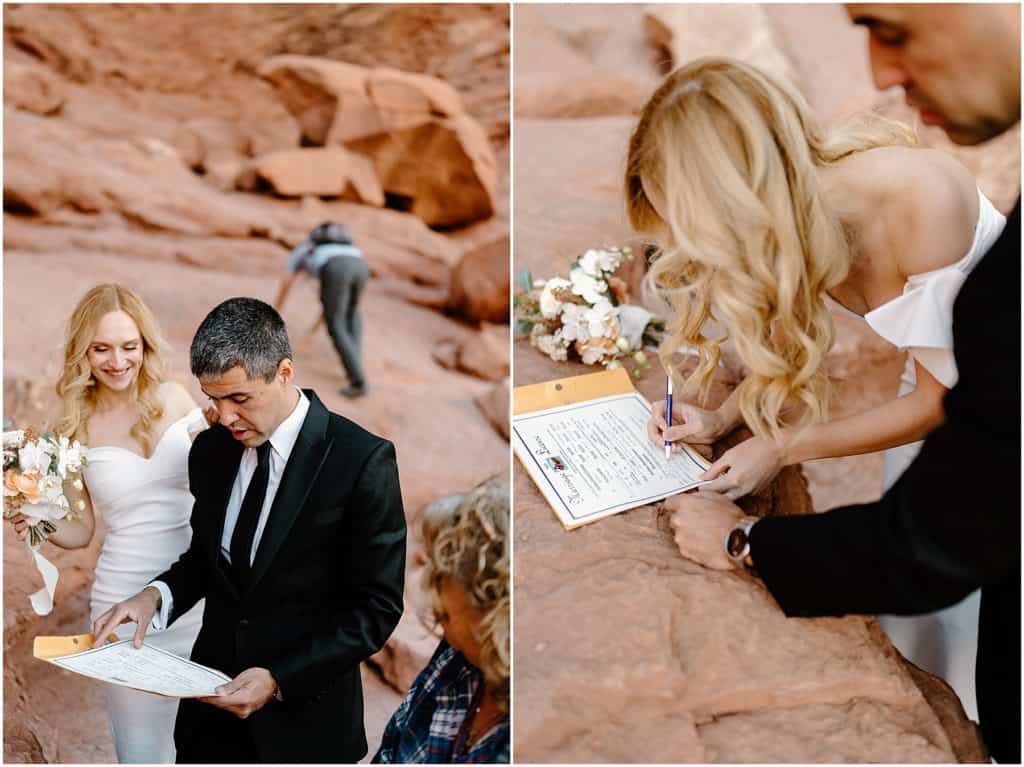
(951, 524)
(325, 590)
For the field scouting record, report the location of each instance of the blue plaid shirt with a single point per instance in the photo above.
(426, 726)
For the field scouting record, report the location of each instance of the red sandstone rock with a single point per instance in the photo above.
(325, 172)
(480, 283)
(31, 87)
(484, 354)
(495, 405)
(408, 650)
(577, 87)
(707, 667)
(429, 155)
(742, 31)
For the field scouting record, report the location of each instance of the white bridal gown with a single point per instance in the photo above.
(921, 321)
(146, 505)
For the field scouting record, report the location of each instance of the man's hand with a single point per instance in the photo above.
(246, 694)
(746, 468)
(702, 522)
(140, 608)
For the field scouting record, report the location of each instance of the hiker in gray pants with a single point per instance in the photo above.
(330, 255)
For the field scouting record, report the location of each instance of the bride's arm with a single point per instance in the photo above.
(905, 419)
(70, 533)
(750, 465)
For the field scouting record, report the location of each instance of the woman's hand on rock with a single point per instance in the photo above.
(745, 468)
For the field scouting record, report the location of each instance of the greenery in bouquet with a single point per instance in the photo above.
(587, 316)
(35, 469)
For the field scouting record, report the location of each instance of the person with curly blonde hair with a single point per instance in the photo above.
(138, 428)
(457, 710)
(767, 222)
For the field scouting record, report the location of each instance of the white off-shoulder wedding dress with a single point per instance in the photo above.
(921, 322)
(146, 505)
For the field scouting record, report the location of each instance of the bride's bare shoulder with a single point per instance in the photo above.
(930, 206)
(176, 400)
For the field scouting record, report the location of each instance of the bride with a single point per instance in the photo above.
(138, 429)
(767, 222)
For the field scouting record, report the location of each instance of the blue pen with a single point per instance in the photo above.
(668, 413)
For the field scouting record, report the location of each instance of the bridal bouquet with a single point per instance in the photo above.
(35, 469)
(587, 315)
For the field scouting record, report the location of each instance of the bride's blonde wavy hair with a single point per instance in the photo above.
(467, 542)
(748, 239)
(76, 386)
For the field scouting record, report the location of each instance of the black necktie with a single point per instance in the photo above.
(249, 515)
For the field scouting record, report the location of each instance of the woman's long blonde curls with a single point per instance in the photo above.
(76, 386)
(748, 238)
(467, 542)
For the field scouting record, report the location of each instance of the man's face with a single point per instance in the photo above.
(250, 408)
(958, 64)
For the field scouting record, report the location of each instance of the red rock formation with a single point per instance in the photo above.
(325, 172)
(479, 287)
(429, 154)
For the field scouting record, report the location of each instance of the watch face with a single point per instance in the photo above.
(736, 542)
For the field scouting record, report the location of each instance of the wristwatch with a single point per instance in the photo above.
(737, 543)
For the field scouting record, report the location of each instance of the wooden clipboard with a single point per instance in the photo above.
(47, 647)
(564, 392)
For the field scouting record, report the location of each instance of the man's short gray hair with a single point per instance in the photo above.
(240, 332)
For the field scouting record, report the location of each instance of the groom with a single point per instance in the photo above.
(298, 547)
(951, 524)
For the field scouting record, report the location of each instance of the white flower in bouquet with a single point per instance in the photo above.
(574, 324)
(35, 457)
(596, 350)
(52, 505)
(589, 287)
(70, 457)
(598, 263)
(602, 320)
(553, 345)
(550, 306)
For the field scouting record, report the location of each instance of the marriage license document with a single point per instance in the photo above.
(149, 668)
(593, 458)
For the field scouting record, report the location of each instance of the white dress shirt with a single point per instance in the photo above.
(282, 441)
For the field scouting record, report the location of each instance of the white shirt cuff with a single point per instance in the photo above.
(163, 615)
